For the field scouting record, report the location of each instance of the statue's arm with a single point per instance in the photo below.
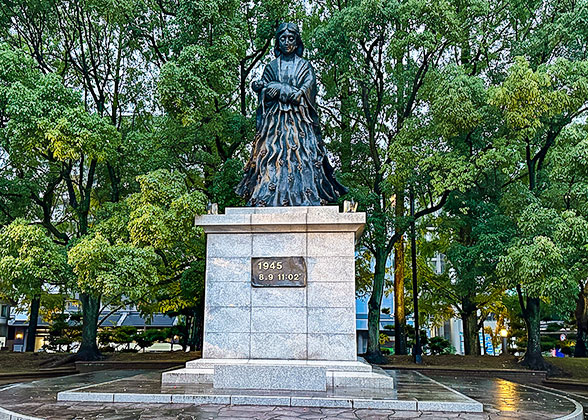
(306, 89)
(308, 86)
(267, 87)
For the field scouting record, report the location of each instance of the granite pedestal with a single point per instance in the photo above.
(299, 338)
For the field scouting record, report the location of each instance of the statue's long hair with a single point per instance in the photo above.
(292, 27)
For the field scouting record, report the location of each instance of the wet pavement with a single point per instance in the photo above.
(519, 401)
(502, 399)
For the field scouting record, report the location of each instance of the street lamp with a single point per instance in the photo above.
(417, 351)
(504, 334)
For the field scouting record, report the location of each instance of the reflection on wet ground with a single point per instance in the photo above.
(524, 401)
(501, 399)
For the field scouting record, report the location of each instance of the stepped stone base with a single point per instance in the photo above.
(294, 375)
(414, 392)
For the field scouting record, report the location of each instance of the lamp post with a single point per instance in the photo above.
(504, 335)
(417, 351)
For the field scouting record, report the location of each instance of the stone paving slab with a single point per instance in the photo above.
(502, 400)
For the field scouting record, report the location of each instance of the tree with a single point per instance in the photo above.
(30, 263)
(54, 147)
(377, 60)
(567, 191)
(536, 107)
(64, 330)
(146, 248)
(475, 233)
(106, 51)
(146, 338)
(108, 270)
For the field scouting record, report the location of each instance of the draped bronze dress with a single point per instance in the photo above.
(288, 164)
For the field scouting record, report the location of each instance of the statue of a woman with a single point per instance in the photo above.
(288, 164)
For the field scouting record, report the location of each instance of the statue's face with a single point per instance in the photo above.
(287, 43)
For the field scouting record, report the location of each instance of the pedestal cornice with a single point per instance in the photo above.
(282, 220)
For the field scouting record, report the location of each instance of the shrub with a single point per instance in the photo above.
(64, 330)
(439, 345)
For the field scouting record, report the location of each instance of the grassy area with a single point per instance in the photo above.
(454, 361)
(26, 362)
(577, 369)
(180, 356)
(30, 362)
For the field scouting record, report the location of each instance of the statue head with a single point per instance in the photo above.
(288, 40)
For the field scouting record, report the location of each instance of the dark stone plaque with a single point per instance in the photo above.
(278, 272)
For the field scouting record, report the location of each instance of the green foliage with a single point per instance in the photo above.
(147, 247)
(162, 210)
(118, 335)
(48, 119)
(411, 337)
(29, 261)
(109, 269)
(224, 183)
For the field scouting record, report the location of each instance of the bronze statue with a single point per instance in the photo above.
(288, 164)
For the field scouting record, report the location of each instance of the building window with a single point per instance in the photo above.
(4, 311)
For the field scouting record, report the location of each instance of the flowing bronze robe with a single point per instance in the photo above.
(288, 164)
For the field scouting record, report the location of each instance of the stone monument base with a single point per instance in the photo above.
(280, 305)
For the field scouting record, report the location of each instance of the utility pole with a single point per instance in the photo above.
(417, 351)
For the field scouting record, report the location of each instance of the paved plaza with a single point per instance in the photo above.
(502, 399)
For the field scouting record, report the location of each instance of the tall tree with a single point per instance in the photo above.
(54, 147)
(146, 248)
(377, 60)
(567, 191)
(475, 233)
(536, 107)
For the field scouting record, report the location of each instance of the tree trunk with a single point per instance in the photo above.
(198, 325)
(374, 355)
(532, 316)
(187, 328)
(471, 341)
(194, 333)
(32, 329)
(399, 306)
(582, 322)
(580, 349)
(345, 154)
(90, 311)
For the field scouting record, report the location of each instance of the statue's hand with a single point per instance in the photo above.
(272, 90)
(295, 96)
(257, 85)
